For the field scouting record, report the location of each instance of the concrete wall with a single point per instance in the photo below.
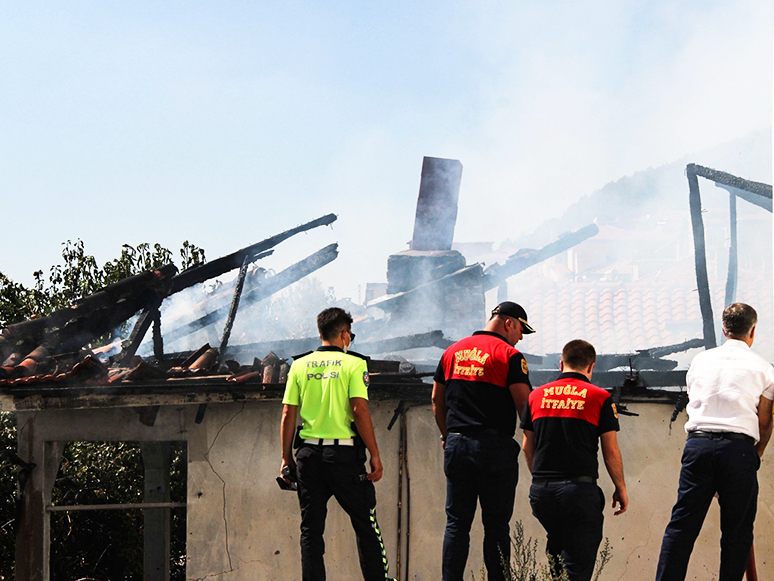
(241, 526)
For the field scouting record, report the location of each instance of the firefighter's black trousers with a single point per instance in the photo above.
(325, 471)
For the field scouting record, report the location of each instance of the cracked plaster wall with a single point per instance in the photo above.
(263, 520)
(242, 526)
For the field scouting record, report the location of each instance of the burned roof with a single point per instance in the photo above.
(434, 294)
(61, 358)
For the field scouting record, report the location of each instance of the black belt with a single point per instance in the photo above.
(473, 432)
(564, 480)
(721, 435)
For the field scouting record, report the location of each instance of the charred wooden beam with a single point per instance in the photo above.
(157, 280)
(284, 348)
(158, 342)
(754, 192)
(649, 387)
(78, 332)
(223, 265)
(289, 348)
(389, 302)
(648, 381)
(642, 359)
(114, 303)
(700, 256)
(496, 274)
(607, 362)
(139, 330)
(431, 339)
(733, 255)
(669, 349)
(240, 283)
(264, 290)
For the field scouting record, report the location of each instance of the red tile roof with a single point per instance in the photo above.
(624, 317)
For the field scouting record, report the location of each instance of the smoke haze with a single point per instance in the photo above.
(226, 123)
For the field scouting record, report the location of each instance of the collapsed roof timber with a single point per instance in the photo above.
(50, 356)
(430, 287)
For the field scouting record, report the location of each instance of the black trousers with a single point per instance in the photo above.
(479, 469)
(730, 468)
(572, 515)
(338, 471)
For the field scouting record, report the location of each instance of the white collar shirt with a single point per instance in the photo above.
(725, 385)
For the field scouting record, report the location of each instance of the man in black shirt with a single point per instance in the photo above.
(563, 423)
(479, 385)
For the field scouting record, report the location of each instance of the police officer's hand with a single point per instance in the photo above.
(621, 498)
(291, 464)
(376, 469)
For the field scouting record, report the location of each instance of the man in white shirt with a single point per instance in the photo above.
(730, 391)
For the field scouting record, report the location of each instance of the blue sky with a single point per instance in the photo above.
(225, 122)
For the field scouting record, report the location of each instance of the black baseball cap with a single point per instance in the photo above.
(510, 309)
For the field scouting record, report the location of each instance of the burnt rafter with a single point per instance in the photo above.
(647, 359)
(198, 274)
(389, 302)
(261, 291)
(761, 193)
(643, 359)
(94, 315)
(420, 340)
(234, 306)
(148, 316)
(69, 329)
(526, 257)
(756, 193)
(292, 347)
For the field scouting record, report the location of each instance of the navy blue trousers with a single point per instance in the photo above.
(325, 471)
(479, 469)
(572, 515)
(728, 467)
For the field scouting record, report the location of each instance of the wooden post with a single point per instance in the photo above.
(234, 306)
(148, 316)
(733, 260)
(158, 342)
(157, 459)
(33, 555)
(700, 257)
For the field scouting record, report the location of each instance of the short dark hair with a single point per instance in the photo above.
(579, 354)
(333, 321)
(738, 320)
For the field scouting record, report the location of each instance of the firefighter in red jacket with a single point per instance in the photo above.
(478, 387)
(563, 423)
